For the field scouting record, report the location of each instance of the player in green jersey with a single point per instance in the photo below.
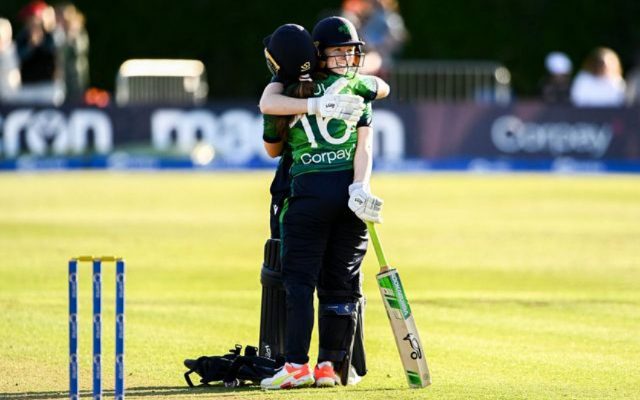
(282, 56)
(324, 237)
(287, 55)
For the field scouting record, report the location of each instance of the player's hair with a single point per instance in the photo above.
(301, 90)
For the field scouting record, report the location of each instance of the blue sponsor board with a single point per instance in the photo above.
(420, 137)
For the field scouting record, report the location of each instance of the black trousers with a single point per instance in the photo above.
(323, 244)
(280, 190)
(275, 209)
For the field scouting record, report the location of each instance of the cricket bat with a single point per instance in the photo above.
(402, 323)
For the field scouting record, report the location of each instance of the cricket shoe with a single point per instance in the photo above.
(290, 376)
(354, 378)
(324, 375)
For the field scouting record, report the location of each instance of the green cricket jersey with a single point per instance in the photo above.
(325, 144)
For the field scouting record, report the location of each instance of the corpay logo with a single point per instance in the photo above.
(511, 135)
(328, 157)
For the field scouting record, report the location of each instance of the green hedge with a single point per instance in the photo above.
(227, 35)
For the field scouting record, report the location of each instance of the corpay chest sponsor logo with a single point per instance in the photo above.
(327, 157)
(512, 135)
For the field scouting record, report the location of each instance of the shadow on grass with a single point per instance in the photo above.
(173, 391)
(191, 391)
(465, 302)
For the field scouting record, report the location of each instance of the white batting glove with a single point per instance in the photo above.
(366, 206)
(332, 104)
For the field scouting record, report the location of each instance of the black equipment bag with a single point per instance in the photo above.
(232, 369)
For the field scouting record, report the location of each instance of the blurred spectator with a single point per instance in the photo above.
(353, 10)
(556, 86)
(633, 82)
(73, 44)
(9, 66)
(38, 55)
(600, 82)
(382, 29)
(97, 97)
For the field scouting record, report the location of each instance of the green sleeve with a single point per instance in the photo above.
(367, 116)
(366, 86)
(269, 133)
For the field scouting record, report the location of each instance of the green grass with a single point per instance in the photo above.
(523, 286)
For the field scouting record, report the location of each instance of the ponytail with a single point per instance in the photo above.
(302, 89)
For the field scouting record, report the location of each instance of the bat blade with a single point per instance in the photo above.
(404, 328)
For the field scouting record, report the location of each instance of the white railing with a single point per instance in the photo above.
(142, 81)
(450, 81)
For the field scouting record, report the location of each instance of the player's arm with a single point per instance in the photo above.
(332, 104)
(372, 88)
(363, 159)
(274, 149)
(366, 206)
(273, 102)
(273, 143)
(383, 88)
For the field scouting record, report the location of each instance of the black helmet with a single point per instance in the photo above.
(290, 52)
(335, 32)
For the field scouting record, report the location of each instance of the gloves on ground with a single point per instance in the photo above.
(366, 206)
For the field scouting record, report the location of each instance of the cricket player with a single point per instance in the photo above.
(281, 57)
(323, 235)
(281, 61)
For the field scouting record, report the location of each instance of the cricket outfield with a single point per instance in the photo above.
(522, 286)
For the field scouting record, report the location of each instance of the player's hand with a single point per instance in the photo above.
(332, 104)
(366, 206)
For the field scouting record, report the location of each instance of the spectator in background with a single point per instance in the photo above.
(73, 45)
(355, 10)
(556, 86)
(38, 55)
(9, 65)
(382, 29)
(600, 82)
(633, 82)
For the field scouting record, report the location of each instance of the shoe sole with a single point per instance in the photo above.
(325, 382)
(291, 385)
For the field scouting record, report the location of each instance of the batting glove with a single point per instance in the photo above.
(332, 104)
(366, 206)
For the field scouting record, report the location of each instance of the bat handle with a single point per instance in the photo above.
(382, 260)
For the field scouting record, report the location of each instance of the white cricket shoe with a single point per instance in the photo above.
(290, 376)
(354, 378)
